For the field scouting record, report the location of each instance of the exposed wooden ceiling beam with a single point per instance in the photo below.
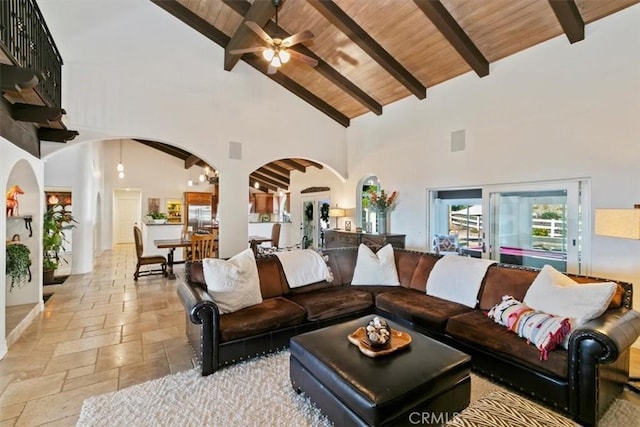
(165, 148)
(315, 165)
(262, 186)
(570, 19)
(261, 65)
(326, 70)
(36, 113)
(203, 27)
(265, 179)
(274, 175)
(56, 135)
(185, 15)
(259, 12)
(358, 35)
(190, 161)
(276, 168)
(455, 35)
(17, 78)
(297, 166)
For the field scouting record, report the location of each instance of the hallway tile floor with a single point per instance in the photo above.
(99, 332)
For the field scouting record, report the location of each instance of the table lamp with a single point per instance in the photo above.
(336, 213)
(623, 223)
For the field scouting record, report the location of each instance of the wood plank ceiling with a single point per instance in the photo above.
(375, 52)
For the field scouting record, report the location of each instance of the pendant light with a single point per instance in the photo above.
(120, 167)
(190, 182)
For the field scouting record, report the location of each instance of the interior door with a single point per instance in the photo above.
(126, 212)
(312, 223)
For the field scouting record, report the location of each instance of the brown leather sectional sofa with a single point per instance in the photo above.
(581, 381)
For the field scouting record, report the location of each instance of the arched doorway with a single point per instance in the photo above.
(367, 218)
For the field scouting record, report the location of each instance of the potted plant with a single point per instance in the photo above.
(18, 263)
(158, 217)
(55, 221)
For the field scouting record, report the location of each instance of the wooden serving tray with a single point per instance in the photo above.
(399, 340)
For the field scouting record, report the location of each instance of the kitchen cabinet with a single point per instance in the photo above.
(343, 239)
(263, 203)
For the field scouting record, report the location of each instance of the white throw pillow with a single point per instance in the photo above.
(375, 269)
(555, 293)
(233, 284)
(458, 279)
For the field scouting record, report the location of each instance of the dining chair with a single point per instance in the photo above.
(274, 243)
(146, 260)
(203, 246)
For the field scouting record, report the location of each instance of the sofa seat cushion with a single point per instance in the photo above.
(476, 328)
(332, 302)
(271, 314)
(375, 289)
(417, 307)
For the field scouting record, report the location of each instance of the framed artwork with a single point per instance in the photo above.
(347, 225)
(153, 204)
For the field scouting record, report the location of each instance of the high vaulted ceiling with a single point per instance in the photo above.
(373, 52)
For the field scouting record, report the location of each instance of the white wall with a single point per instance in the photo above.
(132, 69)
(555, 111)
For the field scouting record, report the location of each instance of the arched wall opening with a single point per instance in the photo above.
(280, 189)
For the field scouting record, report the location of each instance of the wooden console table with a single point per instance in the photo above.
(343, 239)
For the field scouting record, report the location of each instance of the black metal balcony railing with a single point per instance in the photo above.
(26, 40)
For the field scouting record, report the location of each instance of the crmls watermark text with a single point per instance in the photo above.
(431, 417)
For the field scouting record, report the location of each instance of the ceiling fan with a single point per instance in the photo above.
(277, 51)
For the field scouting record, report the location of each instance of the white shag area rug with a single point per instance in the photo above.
(253, 393)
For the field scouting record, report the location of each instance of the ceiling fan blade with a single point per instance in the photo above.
(248, 50)
(297, 38)
(271, 70)
(259, 31)
(302, 57)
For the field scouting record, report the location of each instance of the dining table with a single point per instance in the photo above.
(171, 245)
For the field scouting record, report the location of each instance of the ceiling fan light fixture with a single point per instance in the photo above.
(284, 56)
(276, 62)
(268, 54)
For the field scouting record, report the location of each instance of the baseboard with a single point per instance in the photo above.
(17, 332)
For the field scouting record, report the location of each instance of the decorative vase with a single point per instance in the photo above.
(382, 222)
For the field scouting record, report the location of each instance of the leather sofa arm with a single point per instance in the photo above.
(204, 330)
(599, 362)
(198, 303)
(615, 331)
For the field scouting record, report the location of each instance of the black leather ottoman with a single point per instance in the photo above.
(423, 384)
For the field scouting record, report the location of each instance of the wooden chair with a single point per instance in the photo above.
(203, 246)
(147, 260)
(274, 242)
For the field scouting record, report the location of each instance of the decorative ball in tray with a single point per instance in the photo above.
(378, 333)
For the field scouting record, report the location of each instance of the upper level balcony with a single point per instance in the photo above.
(31, 70)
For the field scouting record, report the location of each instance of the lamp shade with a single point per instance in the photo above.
(624, 223)
(336, 213)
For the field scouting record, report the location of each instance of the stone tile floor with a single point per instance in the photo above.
(102, 332)
(99, 332)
